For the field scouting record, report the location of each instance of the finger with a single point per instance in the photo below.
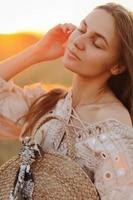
(57, 28)
(65, 27)
(72, 27)
(68, 27)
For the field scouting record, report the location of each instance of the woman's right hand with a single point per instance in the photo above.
(52, 45)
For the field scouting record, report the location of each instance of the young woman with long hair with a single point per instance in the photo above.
(98, 108)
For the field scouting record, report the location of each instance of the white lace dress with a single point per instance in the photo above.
(104, 149)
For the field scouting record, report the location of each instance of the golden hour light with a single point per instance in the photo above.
(32, 15)
(66, 99)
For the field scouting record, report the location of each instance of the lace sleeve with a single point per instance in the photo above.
(15, 101)
(114, 174)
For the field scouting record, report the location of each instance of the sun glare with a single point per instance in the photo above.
(41, 15)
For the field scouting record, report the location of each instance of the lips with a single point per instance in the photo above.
(73, 54)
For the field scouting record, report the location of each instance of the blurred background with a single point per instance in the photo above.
(22, 23)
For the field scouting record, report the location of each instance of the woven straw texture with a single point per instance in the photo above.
(56, 178)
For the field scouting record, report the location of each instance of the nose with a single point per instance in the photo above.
(79, 42)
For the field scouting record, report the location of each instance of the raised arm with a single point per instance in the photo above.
(14, 100)
(17, 63)
(50, 47)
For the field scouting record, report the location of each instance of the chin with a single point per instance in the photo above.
(73, 67)
(69, 63)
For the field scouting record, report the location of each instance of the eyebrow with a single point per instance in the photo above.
(98, 34)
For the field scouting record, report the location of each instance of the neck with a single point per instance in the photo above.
(86, 91)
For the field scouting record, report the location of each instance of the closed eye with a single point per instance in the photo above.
(93, 42)
(80, 30)
(98, 47)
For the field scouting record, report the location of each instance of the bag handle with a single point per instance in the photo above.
(46, 118)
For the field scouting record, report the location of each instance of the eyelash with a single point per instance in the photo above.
(93, 42)
(80, 30)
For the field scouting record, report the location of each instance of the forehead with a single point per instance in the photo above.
(102, 22)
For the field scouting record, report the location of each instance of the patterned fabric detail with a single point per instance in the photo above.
(104, 149)
(95, 143)
(24, 183)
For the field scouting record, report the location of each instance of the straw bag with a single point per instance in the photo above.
(38, 175)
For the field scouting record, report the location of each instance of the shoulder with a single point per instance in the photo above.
(117, 111)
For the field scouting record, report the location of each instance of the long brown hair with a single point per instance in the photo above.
(41, 106)
(121, 85)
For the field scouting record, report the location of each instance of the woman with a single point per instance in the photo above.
(98, 107)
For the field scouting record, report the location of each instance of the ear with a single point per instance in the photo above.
(117, 69)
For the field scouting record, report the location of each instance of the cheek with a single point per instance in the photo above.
(94, 56)
(96, 62)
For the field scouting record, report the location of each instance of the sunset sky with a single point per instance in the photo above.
(41, 15)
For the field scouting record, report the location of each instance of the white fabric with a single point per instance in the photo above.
(104, 149)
